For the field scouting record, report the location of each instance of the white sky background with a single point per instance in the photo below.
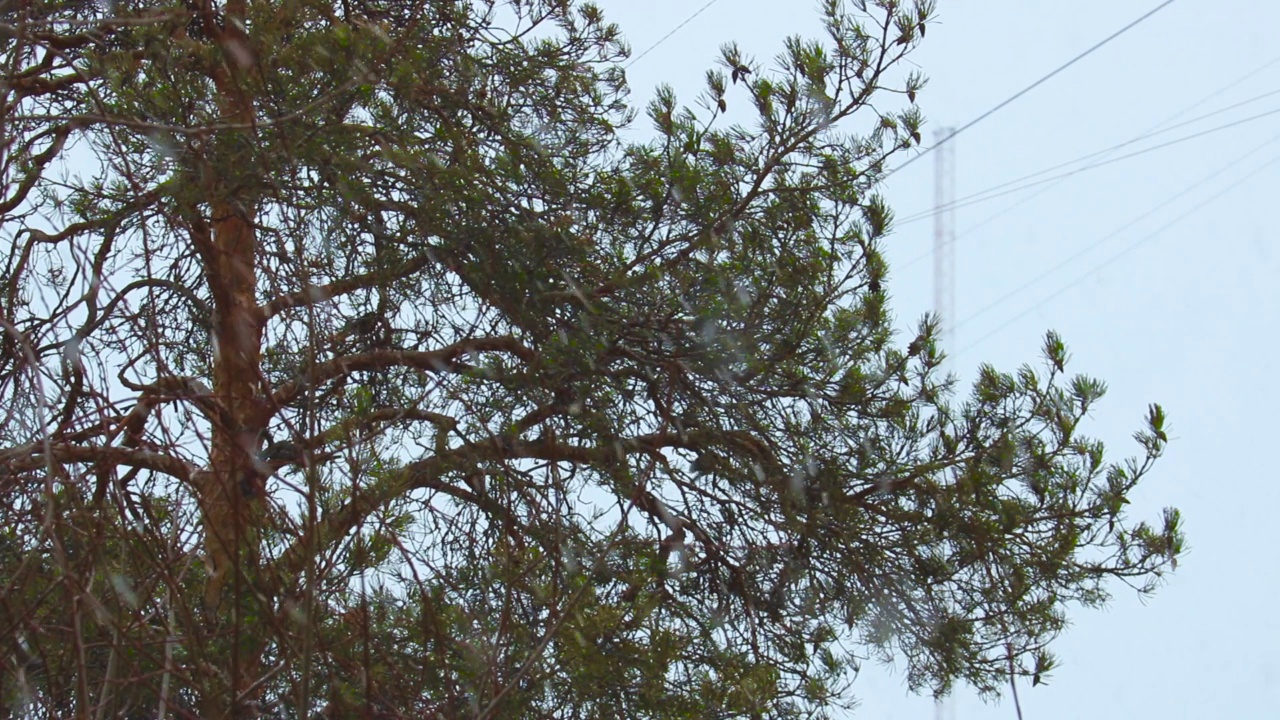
(1187, 319)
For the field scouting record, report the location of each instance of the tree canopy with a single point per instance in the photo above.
(354, 364)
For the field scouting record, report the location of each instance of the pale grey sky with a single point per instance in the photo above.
(1186, 318)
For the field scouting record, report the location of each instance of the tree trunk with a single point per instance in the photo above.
(232, 490)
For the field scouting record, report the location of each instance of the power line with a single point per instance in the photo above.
(1168, 201)
(1148, 133)
(991, 194)
(674, 30)
(1001, 213)
(1127, 249)
(1033, 85)
(1160, 130)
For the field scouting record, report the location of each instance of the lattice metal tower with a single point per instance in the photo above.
(944, 279)
(944, 235)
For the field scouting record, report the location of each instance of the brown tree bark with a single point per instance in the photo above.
(232, 490)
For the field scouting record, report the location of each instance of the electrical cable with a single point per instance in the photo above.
(1102, 163)
(1020, 184)
(1031, 87)
(1001, 213)
(1149, 132)
(674, 30)
(1127, 249)
(1229, 86)
(1168, 201)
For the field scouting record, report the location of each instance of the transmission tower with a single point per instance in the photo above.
(944, 235)
(944, 280)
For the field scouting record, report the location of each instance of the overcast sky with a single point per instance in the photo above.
(1165, 302)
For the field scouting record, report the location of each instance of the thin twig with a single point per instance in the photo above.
(1013, 685)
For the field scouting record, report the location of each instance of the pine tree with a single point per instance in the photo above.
(354, 364)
